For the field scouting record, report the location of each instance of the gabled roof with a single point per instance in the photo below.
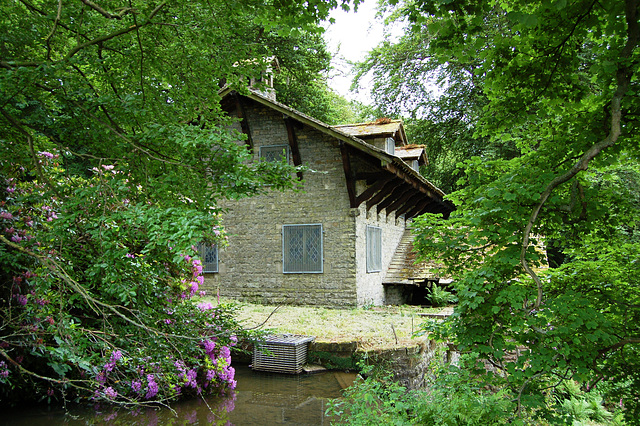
(381, 128)
(398, 188)
(412, 152)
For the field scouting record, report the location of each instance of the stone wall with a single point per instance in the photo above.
(370, 289)
(250, 268)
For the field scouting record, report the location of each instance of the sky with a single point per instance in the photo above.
(351, 36)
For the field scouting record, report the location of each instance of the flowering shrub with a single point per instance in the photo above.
(99, 292)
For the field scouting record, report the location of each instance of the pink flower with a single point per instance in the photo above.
(116, 355)
(46, 154)
(110, 393)
(6, 215)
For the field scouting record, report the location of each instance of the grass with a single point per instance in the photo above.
(374, 328)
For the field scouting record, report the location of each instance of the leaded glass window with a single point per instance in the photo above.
(374, 249)
(274, 153)
(209, 256)
(302, 248)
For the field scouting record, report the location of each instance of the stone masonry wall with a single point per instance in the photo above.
(370, 288)
(250, 268)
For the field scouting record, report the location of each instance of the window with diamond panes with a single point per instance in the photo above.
(302, 249)
(274, 153)
(209, 256)
(374, 249)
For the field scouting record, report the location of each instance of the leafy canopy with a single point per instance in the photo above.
(114, 152)
(553, 114)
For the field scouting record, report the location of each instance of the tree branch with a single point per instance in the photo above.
(97, 40)
(115, 34)
(105, 13)
(623, 77)
(53, 30)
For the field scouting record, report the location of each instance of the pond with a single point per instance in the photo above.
(259, 399)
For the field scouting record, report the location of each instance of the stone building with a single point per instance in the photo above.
(332, 243)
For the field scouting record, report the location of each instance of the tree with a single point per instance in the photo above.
(557, 82)
(440, 102)
(114, 152)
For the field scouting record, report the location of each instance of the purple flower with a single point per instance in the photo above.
(136, 386)
(22, 299)
(152, 387)
(115, 356)
(191, 378)
(205, 306)
(130, 256)
(101, 378)
(225, 352)
(209, 346)
(46, 154)
(110, 393)
(4, 371)
(211, 374)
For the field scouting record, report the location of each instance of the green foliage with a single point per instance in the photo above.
(114, 152)
(441, 297)
(453, 396)
(552, 111)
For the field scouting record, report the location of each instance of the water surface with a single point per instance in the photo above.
(259, 399)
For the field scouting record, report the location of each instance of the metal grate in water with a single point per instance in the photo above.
(281, 353)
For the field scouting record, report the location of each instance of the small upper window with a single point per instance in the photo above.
(391, 146)
(374, 249)
(274, 153)
(209, 256)
(415, 166)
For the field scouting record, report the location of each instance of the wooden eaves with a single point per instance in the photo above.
(393, 186)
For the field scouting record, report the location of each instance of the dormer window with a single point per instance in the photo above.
(415, 165)
(390, 146)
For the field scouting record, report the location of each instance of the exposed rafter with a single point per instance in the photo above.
(398, 192)
(348, 174)
(383, 193)
(293, 143)
(409, 198)
(244, 124)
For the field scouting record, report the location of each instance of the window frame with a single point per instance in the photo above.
(390, 146)
(374, 265)
(284, 147)
(202, 253)
(287, 262)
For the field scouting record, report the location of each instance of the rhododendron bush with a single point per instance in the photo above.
(98, 302)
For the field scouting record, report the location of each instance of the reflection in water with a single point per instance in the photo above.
(259, 399)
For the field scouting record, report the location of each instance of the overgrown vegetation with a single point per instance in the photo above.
(377, 328)
(536, 117)
(440, 297)
(113, 153)
(464, 394)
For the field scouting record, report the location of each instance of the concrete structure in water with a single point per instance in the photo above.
(331, 244)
